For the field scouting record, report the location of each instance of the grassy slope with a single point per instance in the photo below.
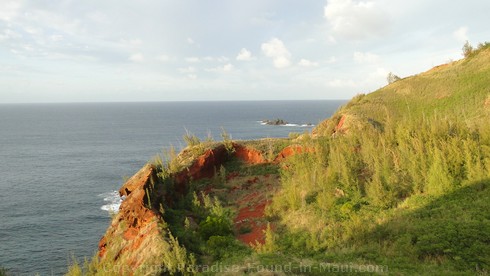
(458, 89)
(363, 201)
(419, 231)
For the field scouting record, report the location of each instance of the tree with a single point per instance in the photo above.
(467, 49)
(392, 78)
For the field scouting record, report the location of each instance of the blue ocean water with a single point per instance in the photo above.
(61, 163)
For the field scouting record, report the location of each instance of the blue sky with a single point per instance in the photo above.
(149, 50)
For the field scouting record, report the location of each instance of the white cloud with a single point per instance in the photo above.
(355, 20)
(332, 60)
(331, 39)
(307, 63)
(192, 59)
(244, 55)
(190, 40)
(98, 17)
(187, 70)
(56, 38)
(366, 57)
(10, 9)
(163, 58)
(378, 76)
(135, 42)
(137, 57)
(461, 34)
(339, 83)
(9, 34)
(221, 59)
(276, 50)
(225, 68)
(228, 67)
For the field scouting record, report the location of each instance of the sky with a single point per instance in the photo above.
(194, 50)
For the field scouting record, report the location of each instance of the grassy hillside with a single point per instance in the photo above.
(396, 182)
(399, 177)
(457, 89)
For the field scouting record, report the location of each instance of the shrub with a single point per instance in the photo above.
(467, 49)
(215, 226)
(220, 246)
(190, 139)
(391, 78)
(227, 141)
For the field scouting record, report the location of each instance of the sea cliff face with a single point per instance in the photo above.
(133, 239)
(138, 239)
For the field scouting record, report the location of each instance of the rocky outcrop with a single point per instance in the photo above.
(276, 122)
(204, 166)
(340, 125)
(133, 237)
(248, 155)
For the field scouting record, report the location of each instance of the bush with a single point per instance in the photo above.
(215, 226)
(191, 139)
(391, 78)
(467, 49)
(220, 246)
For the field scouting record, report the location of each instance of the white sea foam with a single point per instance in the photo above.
(288, 124)
(112, 200)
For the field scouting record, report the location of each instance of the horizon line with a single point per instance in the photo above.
(172, 101)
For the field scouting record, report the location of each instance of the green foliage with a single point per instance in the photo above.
(220, 247)
(3, 271)
(406, 185)
(90, 267)
(339, 192)
(215, 226)
(467, 49)
(270, 244)
(294, 135)
(190, 139)
(167, 163)
(175, 257)
(227, 141)
(74, 269)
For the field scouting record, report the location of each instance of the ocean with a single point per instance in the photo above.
(61, 164)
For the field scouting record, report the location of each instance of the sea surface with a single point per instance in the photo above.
(60, 164)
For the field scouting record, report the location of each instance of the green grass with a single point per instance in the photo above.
(457, 89)
(404, 190)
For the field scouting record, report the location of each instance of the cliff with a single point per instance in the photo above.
(139, 239)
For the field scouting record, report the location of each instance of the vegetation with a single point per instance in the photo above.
(3, 271)
(397, 182)
(358, 193)
(391, 78)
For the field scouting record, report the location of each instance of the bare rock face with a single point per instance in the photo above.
(136, 181)
(133, 237)
(202, 167)
(340, 125)
(248, 155)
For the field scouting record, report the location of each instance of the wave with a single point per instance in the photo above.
(287, 124)
(113, 202)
